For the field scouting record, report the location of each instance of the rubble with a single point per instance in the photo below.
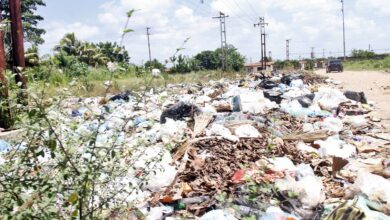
(272, 149)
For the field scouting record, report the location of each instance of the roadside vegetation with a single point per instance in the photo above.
(367, 60)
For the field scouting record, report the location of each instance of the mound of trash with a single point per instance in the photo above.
(278, 146)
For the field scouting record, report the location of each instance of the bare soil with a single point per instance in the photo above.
(375, 84)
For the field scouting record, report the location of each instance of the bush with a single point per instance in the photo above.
(76, 69)
(154, 64)
(363, 54)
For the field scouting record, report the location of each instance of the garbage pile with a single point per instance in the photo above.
(279, 146)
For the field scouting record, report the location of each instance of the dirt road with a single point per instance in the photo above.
(376, 86)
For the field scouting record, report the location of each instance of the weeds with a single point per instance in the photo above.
(369, 64)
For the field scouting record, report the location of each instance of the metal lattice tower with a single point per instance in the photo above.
(262, 25)
(148, 34)
(222, 19)
(288, 49)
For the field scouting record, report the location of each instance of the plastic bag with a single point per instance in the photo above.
(355, 121)
(247, 131)
(332, 124)
(220, 130)
(309, 188)
(172, 130)
(218, 214)
(374, 186)
(293, 108)
(333, 146)
(281, 164)
(329, 99)
(297, 83)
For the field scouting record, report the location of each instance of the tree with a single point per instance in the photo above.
(235, 61)
(154, 64)
(212, 60)
(69, 45)
(363, 54)
(181, 65)
(32, 56)
(208, 60)
(287, 65)
(90, 53)
(114, 52)
(32, 33)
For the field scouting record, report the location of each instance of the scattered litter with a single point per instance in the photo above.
(356, 96)
(218, 214)
(247, 131)
(233, 148)
(178, 111)
(333, 146)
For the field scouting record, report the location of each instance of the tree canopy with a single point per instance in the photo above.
(90, 53)
(212, 60)
(32, 33)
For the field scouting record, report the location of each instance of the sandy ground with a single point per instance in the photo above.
(376, 86)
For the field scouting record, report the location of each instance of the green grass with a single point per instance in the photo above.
(93, 84)
(383, 64)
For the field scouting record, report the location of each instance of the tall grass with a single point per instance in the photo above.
(383, 64)
(93, 84)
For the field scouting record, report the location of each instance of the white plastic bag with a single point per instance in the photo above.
(218, 214)
(333, 146)
(329, 99)
(374, 186)
(247, 131)
(220, 130)
(309, 188)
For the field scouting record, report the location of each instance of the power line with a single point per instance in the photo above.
(244, 12)
(228, 5)
(252, 8)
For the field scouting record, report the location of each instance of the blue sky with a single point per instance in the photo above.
(308, 23)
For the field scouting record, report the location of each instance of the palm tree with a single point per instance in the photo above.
(69, 44)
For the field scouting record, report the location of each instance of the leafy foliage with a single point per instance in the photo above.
(154, 64)
(59, 173)
(32, 33)
(212, 60)
(235, 61)
(89, 53)
(208, 60)
(114, 52)
(287, 64)
(32, 56)
(363, 54)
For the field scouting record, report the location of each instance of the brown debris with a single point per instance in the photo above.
(307, 137)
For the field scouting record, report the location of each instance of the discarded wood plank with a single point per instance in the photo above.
(307, 137)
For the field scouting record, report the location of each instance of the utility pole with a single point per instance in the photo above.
(222, 20)
(312, 53)
(148, 34)
(269, 55)
(17, 42)
(342, 10)
(3, 65)
(369, 47)
(262, 25)
(5, 111)
(288, 49)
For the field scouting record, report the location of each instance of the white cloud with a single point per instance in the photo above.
(57, 30)
(308, 23)
(377, 6)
